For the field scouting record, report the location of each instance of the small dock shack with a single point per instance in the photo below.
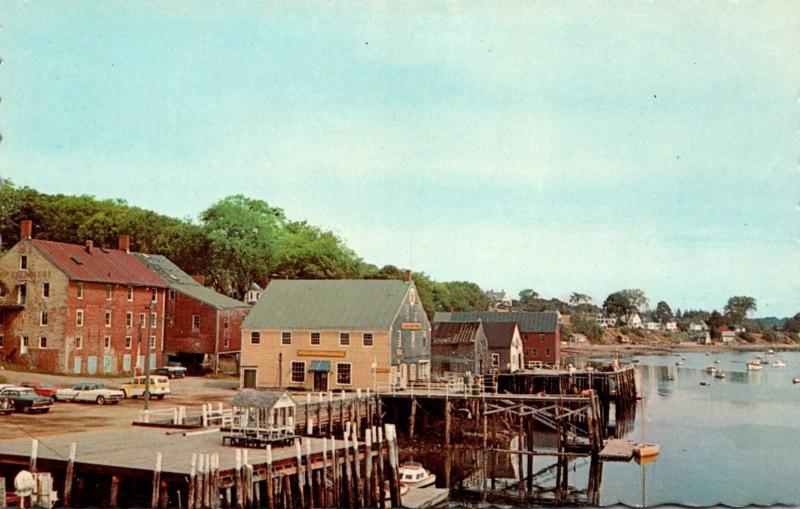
(261, 418)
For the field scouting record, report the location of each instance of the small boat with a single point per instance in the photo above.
(754, 365)
(711, 369)
(770, 352)
(796, 380)
(717, 361)
(703, 383)
(646, 450)
(708, 354)
(671, 378)
(683, 358)
(778, 364)
(720, 374)
(414, 475)
(678, 363)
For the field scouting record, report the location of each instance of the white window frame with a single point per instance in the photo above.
(107, 317)
(130, 294)
(255, 335)
(141, 320)
(342, 334)
(311, 338)
(153, 320)
(364, 339)
(78, 343)
(106, 342)
(226, 322)
(152, 342)
(196, 319)
(424, 374)
(109, 292)
(291, 372)
(283, 342)
(128, 342)
(154, 294)
(129, 319)
(495, 359)
(42, 346)
(80, 290)
(350, 364)
(79, 318)
(44, 318)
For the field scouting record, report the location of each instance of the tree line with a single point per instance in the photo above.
(235, 242)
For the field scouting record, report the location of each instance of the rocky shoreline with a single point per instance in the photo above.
(669, 348)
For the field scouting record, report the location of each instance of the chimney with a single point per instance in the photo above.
(199, 278)
(407, 275)
(124, 243)
(89, 246)
(25, 229)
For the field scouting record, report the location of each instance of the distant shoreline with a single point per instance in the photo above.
(655, 349)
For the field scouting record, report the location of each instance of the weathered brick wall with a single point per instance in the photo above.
(231, 337)
(536, 345)
(180, 336)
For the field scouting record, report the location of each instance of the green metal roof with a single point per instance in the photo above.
(180, 281)
(546, 321)
(332, 304)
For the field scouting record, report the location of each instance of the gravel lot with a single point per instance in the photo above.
(191, 392)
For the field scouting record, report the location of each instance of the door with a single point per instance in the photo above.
(320, 381)
(76, 365)
(403, 376)
(23, 345)
(107, 364)
(91, 365)
(413, 372)
(126, 362)
(249, 378)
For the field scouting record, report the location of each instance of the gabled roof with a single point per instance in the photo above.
(499, 334)
(546, 321)
(257, 399)
(100, 266)
(455, 332)
(180, 281)
(332, 304)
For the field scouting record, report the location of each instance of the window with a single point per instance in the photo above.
(541, 337)
(172, 295)
(343, 370)
(128, 342)
(80, 290)
(547, 352)
(141, 320)
(78, 342)
(399, 339)
(152, 342)
(129, 319)
(227, 342)
(367, 339)
(23, 262)
(298, 371)
(79, 318)
(495, 359)
(344, 339)
(315, 338)
(255, 338)
(226, 321)
(195, 323)
(424, 370)
(534, 352)
(130, 293)
(22, 292)
(286, 338)
(42, 342)
(109, 292)
(43, 318)
(107, 342)
(154, 294)
(413, 338)
(107, 318)
(153, 320)
(1, 341)
(46, 290)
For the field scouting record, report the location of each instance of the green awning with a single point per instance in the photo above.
(324, 366)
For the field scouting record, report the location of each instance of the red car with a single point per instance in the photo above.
(47, 390)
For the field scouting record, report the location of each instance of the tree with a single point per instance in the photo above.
(527, 296)
(579, 298)
(715, 320)
(636, 297)
(663, 312)
(738, 307)
(619, 304)
(793, 324)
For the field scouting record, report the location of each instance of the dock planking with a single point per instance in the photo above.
(617, 450)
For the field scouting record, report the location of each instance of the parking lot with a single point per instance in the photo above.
(190, 392)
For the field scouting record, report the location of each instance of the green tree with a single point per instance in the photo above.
(793, 324)
(739, 306)
(663, 312)
(636, 297)
(527, 297)
(619, 304)
(577, 299)
(308, 252)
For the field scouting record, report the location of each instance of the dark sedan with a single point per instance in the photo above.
(26, 400)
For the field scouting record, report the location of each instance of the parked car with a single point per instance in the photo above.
(90, 392)
(6, 405)
(46, 390)
(176, 370)
(159, 387)
(26, 400)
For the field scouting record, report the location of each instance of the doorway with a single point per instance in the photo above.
(320, 381)
(249, 378)
(23, 345)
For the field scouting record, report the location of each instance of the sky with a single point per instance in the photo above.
(583, 146)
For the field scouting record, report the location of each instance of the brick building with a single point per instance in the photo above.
(541, 341)
(336, 334)
(202, 326)
(68, 308)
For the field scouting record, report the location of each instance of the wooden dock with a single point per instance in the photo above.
(617, 450)
(424, 498)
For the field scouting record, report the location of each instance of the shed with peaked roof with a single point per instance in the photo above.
(459, 347)
(505, 346)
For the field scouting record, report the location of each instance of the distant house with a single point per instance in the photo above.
(605, 321)
(726, 334)
(652, 325)
(633, 321)
(671, 325)
(202, 325)
(505, 346)
(459, 347)
(498, 299)
(578, 338)
(701, 337)
(253, 293)
(539, 331)
(336, 334)
(697, 326)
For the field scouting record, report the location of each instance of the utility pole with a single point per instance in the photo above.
(149, 321)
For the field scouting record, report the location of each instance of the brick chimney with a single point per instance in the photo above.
(89, 246)
(407, 275)
(25, 229)
(199, 278)
(124, 243)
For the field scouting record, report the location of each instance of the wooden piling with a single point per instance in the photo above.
(113, 491)
(369, 492)
(381, 485)
(412, 418)
(156, 482)
(359, 494)
(237, 480)
(300, 478)
(309, 475)
(447, 423)
(269, 492)
(394, 478)
(69, 474)
(34, 455)
(288, 499)
(192, 480)
(337, 498)
(347, 477)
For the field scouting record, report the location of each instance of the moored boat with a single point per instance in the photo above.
(796, 380)
(646, 450)
(720, 374)
(778, 364)
(414, 475)
(711, 369)
(754, 365)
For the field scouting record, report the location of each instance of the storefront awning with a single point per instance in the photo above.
(323, 366)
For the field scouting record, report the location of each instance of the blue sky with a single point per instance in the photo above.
(562, 147)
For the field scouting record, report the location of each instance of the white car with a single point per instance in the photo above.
(90, 392)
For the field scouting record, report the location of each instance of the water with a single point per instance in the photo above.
(732, 442)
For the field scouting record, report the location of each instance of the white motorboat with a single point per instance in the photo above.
(414, 475)
(770, 352)
(754, 365)
(711, 369)
(796, 380)
(720, 374)
(778, 364)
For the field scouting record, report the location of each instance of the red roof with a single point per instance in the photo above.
(100, 266)
(724, 328)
